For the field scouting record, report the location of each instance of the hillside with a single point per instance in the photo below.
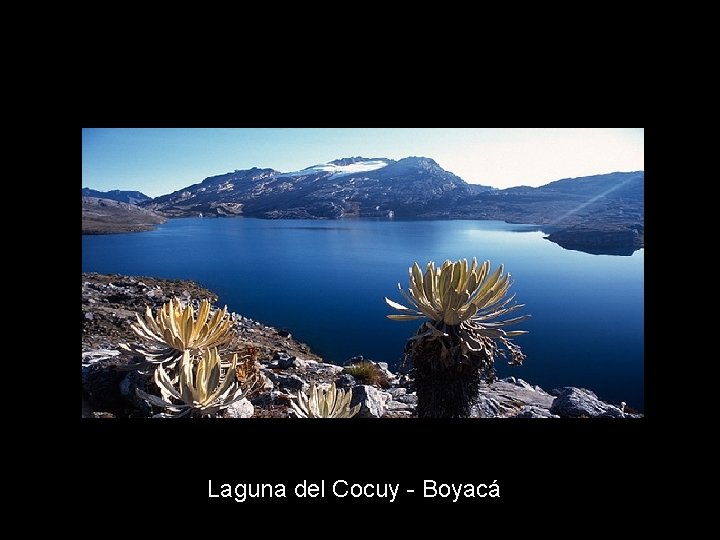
(103, 216)
(348, 187)
(130, 197)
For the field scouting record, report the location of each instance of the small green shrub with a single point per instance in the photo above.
(368, 373)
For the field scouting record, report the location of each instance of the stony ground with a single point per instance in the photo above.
(110, 375)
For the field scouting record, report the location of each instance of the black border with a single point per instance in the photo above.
(555, 464)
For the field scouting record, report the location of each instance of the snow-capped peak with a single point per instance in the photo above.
(343, 169)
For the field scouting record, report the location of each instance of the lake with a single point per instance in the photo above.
(324, 281)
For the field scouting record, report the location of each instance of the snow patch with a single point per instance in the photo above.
(341, 170)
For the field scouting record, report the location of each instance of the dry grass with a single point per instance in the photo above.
(368, 373)
(247, 371)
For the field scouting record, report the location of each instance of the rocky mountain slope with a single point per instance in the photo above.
(102, 216)
(600, 213)
(129, 197)
(347, 187)
(109, 380)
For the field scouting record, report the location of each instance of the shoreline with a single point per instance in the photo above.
(603, 239)
(111, 301)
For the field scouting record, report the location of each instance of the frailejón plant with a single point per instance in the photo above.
(177, 328)
(202, 389)
(455, 348)
(318, 403)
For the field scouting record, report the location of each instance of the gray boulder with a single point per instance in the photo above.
(524, 384)
(240, 409)
(385, 370)
(485, 407)
(291, 383)
(409, 399)
(530, 411)
(320, 368)
(283, 360)
(98, 355)
(345, 381)
(130, 383)
(374, 402)
(574, 402)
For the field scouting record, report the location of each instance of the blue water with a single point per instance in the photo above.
(325, 281)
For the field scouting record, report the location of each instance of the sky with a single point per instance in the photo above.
(157, 161)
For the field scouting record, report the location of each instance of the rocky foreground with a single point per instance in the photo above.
(109, 380)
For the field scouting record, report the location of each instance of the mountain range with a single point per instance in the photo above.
(599, 214)
(130, 197)
(348, 187)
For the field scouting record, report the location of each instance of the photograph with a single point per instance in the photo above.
(384, 275)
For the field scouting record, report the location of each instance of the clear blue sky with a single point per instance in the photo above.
(159, 161)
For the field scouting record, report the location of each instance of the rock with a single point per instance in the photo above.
(578, 402)
(400, 413)
(269, 399)
(530, 411)
(393, 405)
(131, 382)
(518, 382)
(284, 334)
(265, 385)
(239, 409)
(102, 385)
(345, 380)
(284, 360)
(485, 407)
(89, 316)
(383, 368)
(291, 383)
(321, 368)
(401, 401)
(507, 398)
(523, 384)
(408, 399)
(373, 401)
(299, 363)
(97, 355)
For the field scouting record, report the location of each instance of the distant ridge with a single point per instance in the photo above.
(103, 216)
(130, 197)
